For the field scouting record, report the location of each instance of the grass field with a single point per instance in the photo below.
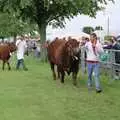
(34, 95)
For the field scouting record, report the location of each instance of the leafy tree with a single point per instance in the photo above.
(88, 29)
(98, 28)
(4, 23)
(52, 12)
(10, 25)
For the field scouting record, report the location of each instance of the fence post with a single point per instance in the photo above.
(112, 61)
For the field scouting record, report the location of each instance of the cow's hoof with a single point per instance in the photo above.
(54, 77)
(9, 69)
(68, 72)
(75, 84)
(62, 82)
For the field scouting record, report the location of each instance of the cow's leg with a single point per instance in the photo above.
(9, 68)
(53, 70)
(58, 71)
(74, 76)
(3, 65)
(75, 72)
(69, 71)
(61, 73)
(62, 76)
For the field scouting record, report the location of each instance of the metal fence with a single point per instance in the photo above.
(108, 64)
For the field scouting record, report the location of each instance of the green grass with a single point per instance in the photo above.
(34, 95)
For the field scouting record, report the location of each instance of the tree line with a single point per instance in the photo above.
(23, 16)
(89, 29)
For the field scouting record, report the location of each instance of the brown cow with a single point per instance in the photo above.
(66, 56)
(5, 53)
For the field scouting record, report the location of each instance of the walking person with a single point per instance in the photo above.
(93, 50)
(21, 47)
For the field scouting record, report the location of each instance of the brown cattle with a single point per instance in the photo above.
(66, 56)
(5, 53)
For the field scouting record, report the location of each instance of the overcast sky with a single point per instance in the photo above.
(76, 24)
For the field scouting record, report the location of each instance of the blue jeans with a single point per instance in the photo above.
(20, 62)
(94, 67)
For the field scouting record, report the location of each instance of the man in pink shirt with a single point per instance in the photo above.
(93, 50)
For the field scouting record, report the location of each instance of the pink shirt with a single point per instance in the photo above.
(93, 55)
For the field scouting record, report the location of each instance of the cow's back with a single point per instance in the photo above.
(55, 51)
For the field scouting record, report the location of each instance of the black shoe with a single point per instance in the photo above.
(98, 91)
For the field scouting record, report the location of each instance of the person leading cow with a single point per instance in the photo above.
(93, 50)
(21, 47)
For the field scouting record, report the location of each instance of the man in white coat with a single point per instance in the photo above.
(21, 47)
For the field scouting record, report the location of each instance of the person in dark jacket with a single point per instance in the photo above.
(116, 46)
(107, 45)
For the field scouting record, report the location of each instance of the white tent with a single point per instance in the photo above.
(78, 36)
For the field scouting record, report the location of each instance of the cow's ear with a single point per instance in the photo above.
(67, 44)
(78, 42)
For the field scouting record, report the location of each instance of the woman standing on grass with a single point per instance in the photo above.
(93, 50)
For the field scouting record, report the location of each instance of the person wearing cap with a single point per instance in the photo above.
(93, 51)
(21, 47)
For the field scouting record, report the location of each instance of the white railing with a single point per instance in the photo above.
(108, 64)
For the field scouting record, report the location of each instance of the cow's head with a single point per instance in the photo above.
(73, 48)
(12, 47)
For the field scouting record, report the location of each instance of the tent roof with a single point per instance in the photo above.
(72, 35)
